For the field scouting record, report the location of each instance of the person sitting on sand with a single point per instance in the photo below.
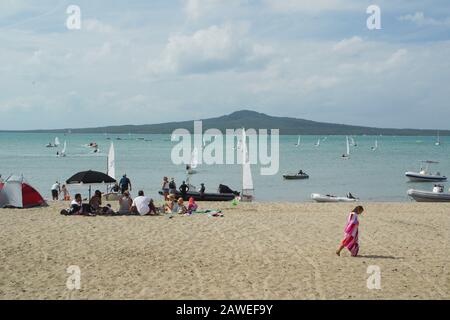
(351, 233)
(125, 203)
(65, 193)
(76, 207)
(192, 206)
(96, 201)
(170, 203)
(141, 204)
(180, 208)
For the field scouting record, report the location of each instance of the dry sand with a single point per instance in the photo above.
(257, 251)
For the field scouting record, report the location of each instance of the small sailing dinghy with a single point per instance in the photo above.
(111, 171)
(190, 168)
(57, 143)
(437, 195)
(317, 143)
(438, 141)
(375, 147)
(63, 151)
(247, 180)
(298, 141)
(347, 155)
(354, 144)
(331, 198)
(425, 175)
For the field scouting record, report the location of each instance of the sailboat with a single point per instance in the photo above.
(63, 151)
(298, 141)
(247, 180)
(353, 142)
(317, 143)
(111, 162)
(194, 162)
(347, 155)
(57, 142)
(438, 141)
(375, 147)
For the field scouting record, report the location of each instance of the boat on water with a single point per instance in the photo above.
(62, 154)
(207, 196)
(54, 145)
(347, 155)
(375, 147)
(353, 142)
(332, 198)
(111, 171)
(297, 176)
(437, 195)
(424, 175)
(298, 141)
(438, 141)
(190, 168)
(247, 179)
(317, 143)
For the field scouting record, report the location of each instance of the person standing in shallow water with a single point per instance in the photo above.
(350, 240)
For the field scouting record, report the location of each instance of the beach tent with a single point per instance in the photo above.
(15, 192)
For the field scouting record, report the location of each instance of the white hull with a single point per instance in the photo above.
(428, 196)
(419, 177)
(325, 198)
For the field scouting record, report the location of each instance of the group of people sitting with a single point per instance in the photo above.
(139, 206)
(173, 205)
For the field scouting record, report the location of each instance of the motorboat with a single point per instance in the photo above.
(437, 195)
(297, 176)
(331, 198)
(424, 175)
(205, 197)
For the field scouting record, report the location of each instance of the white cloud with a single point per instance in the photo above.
(217, 48)
(420, 19)
(196, 9)
(311, 6)
(95, 25)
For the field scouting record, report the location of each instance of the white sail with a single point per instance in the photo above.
(438, 141)
(247, 180)
(194, 158)
(298, 141)
(63, 152)
(318, 143)
(57, 141)
(112, 162)
(348, 147)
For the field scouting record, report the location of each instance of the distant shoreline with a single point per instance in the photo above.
(248, 119)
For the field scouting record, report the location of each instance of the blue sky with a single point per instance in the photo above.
(136, 62)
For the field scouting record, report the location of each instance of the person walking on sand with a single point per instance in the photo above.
(125, 184)
(56, 189)
(351, 233)
(165, 187)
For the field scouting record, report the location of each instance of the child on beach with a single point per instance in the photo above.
(65, 192)
(192, 206)
(351, 233)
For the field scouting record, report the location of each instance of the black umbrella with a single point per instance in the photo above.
(90, 177)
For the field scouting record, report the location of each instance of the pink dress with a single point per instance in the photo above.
(351, 234)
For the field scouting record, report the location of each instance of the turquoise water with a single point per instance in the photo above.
(371, 175)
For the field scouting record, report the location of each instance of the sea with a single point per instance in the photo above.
(370, 175)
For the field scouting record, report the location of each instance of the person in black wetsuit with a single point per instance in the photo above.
(202, 190)
(184, 189)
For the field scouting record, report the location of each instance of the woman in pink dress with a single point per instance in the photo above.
(351, 233)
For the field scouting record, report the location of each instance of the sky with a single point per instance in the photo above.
(144, 61)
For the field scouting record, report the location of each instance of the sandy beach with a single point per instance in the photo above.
(256, 251)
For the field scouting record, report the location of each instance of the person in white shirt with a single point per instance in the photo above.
(56, 189)
(141, 204)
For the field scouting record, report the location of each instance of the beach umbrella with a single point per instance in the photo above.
(90, 178)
